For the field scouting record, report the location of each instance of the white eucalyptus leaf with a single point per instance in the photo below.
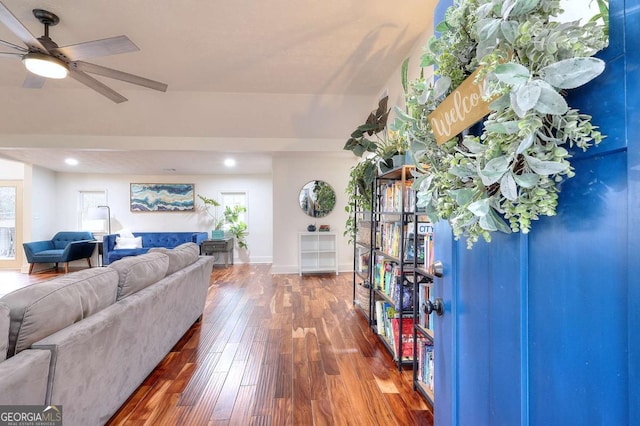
(525, 143)
(480, 208)
(508, 187)
(498, 222)
(441, 86)
(494, 170)
(488, 223)
(507, 6)
(423, 182)
(504, 128)
(550, 101)
(487, 28)
(402, 116)
(527, 96)
(474, 146)
(500, 104)
(527, 180)
(509, 30)
(486, 47)
(544, 167)
(463, 196)
(523, 7)
(483, 10)
(463, 172)
(573, 72)
(424, 97)
(396, 125)
(512, 73)
(513, 98)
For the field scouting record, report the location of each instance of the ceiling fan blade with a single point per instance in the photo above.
(96, 85)
(13, 46)
(118, 75)
(33, 81)
(10, 54)
(16, 27)
(96, 48)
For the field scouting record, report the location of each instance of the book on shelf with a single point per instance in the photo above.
(399, 287)
(363, 263)
(385, 271)
(397, 196)
(425, 363)
(428, 251)
(405, 335)
(379, 316)
(390, 236)
(410, 248)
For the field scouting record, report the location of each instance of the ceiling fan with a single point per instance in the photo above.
(45, 59)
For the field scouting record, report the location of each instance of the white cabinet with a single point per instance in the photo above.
(317, 252)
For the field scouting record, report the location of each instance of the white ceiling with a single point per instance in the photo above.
(246, 78)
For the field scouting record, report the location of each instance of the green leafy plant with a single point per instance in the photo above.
(359, 192)
(239, 230)
(229, 216)
(375, 124)
(376, 153)
(509, 173)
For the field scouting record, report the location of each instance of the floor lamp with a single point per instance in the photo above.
(96, 213)
(108, 216)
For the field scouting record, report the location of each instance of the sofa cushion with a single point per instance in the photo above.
(4, 330)
(139, 272)
(128, 243)
(38, 310)
(179, 257)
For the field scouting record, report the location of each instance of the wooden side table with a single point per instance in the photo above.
(225, 245)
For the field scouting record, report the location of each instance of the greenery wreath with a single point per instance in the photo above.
(509, 174)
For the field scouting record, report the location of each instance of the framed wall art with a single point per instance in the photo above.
(162, 197)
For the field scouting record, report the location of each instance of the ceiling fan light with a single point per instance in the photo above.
(45, 65)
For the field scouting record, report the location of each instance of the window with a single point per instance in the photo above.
(90, 217)
(233, 199)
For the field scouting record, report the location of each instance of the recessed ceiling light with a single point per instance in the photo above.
(71, 161)
(229, 162)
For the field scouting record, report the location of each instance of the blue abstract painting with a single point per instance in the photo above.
(162, 197)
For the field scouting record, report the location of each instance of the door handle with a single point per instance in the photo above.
(436, 306)
(437, 268)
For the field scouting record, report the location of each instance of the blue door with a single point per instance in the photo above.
(542, 329)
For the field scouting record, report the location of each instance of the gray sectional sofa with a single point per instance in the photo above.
(88, 339)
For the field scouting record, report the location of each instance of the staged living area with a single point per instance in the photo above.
(310, 213)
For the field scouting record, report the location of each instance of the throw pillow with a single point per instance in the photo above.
(128, 243)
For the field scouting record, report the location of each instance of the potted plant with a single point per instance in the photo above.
(388, 147)
(229, 216)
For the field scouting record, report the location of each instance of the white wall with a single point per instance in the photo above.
(11, 170)
(258, 188)
(45, 202)
(291, 171)
(394, 84)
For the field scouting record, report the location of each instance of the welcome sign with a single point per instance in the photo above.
(460, 110)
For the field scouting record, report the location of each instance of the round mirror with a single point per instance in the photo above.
(317, 198)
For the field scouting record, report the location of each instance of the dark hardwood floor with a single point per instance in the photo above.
(275, 350)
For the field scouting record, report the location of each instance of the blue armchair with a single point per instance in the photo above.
(63, 247)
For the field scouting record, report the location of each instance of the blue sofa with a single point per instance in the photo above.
(64, 247)
(149, 239)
